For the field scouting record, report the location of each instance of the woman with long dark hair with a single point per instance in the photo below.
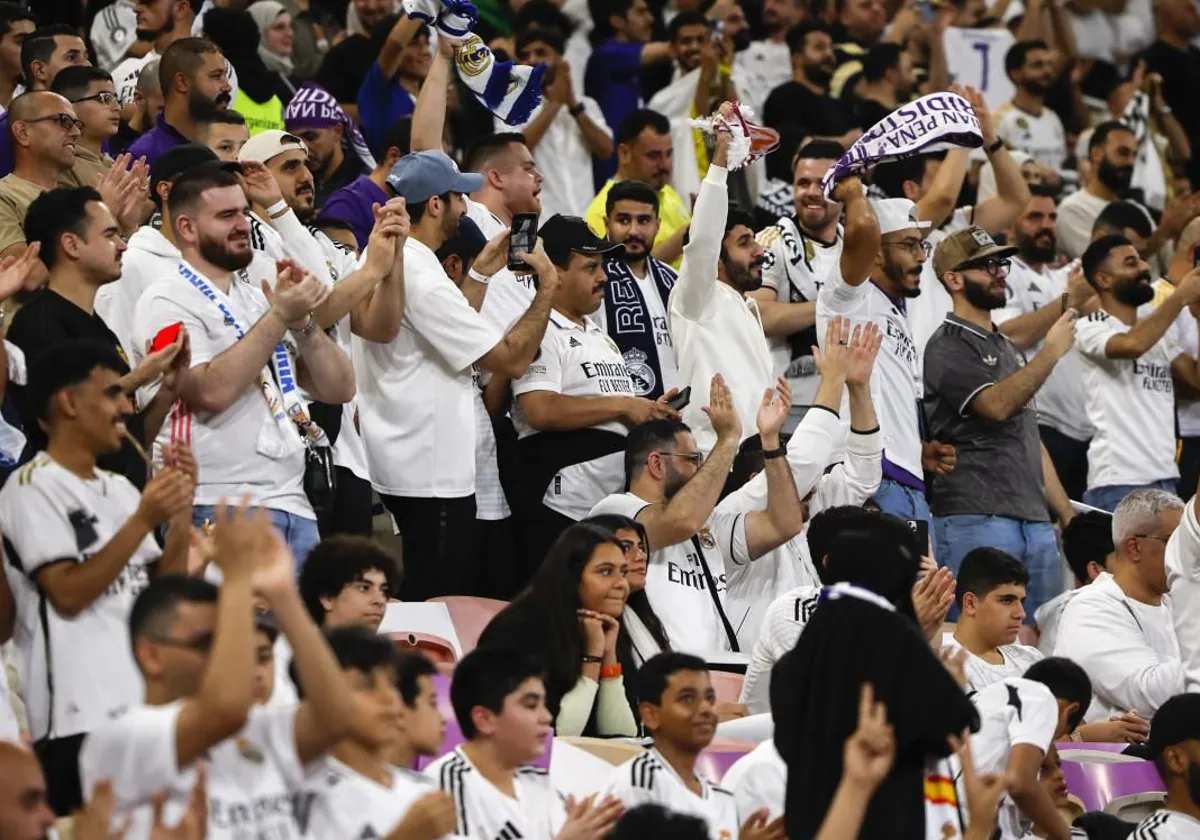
(570, 617)
(643, 635)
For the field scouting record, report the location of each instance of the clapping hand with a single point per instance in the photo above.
(833, 362)
(933, 595)
(297, 293)
(722, 412)
(589, 820)
(386, 243)
(21, 274)
(760, 826)
(773, 412)
(864, 348)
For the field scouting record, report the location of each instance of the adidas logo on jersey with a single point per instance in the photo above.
(574, 342)
(509, 832)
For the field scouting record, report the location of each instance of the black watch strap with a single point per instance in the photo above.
(995, 147)
(576, 109)
(775, 453)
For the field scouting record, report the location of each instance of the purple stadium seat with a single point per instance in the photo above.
(1098, 785)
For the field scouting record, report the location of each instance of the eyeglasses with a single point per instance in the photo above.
(697, 458)
(916, 247)
(201, 644)
(991, 265)
(1163, 540)
(65, 121)
(104, 97)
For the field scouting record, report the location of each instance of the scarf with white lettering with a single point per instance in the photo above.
(933, 123)
(315, 107)
(629, 322)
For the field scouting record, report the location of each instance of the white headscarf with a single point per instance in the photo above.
(264, 13)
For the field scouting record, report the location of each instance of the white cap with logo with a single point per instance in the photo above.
(896, 214)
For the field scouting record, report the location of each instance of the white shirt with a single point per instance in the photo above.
(339, 802)
(241, 450)
(1047, 618)
(1183, 578)
(1060, 401)
(1129, 649)
(781, 628)
(649, 779)
(764, 66)
(1186, 335)
(76, 672)
(1131, 404)
(896, 386)
(1011, 712)
(1042, 137)
(758, 780)
(577, 361)
(415, 396)
(10, 727)
(485, 813)
(284, 692)
(980, 673)
(1077, 213)
(716, 329)
(975, 57)
(563, 158)
(676, 585)
(252, 777)
(796, 267)
(113, 33)
(1167, 825)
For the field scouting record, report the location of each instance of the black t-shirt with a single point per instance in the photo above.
(796, 112)
(868, 110)
(49, 319)
(345, 66)
(1179, 70)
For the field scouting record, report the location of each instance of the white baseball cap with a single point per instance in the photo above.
(268, 144)
(896, 214)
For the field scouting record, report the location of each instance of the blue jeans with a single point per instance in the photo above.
(1033, 543)
(301, 534)
(1107, 498)
(902, 501)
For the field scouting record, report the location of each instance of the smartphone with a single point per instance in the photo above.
(166, 336)
(522, 238)
(921, 529)
(1196, 257)
(926, 9)
(680, 401)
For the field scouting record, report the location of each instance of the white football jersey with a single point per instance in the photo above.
(339, 802)
(485, 813)
(650, 779)
(1042, 137)
(1131, 404)
(1167, 825)
(1011, 712)
(252, 777)
(781, 628)
(980, 673)
(77, 673)
(758, 780)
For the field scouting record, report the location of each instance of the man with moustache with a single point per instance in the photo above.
(978, 397)
(638, 290)
(716, 327)
(578, 388)
(1128, 371)
(1035, 303)
(803, 106)
(1026, 123)
(891, 231)
(194, 84)
(1111, 152)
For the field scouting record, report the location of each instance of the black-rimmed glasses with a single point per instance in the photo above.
(65, 121)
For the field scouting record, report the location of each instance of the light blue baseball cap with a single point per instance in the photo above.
(421, 175)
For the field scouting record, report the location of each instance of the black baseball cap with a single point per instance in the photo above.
(563, 235)
(1176, 721)
(181, 158)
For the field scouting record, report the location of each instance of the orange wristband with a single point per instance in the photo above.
(610, 672)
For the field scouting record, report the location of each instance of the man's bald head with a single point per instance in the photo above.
(35, 123)
(24, 812)
(37, 103)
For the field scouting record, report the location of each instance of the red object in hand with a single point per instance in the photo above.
(166, 336)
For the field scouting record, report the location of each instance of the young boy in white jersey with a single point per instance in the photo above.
(499, 699)
(1175, 748)
(990, 596)
(1020, 718)
(79, 546)
(678, 708)
(356, 791)
(194, 646)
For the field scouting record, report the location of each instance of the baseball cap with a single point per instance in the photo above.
(563, 235)
(267, 144)
(181, 158)
(422, 175)
(1176, 721)
(966, 246)
(896, 214)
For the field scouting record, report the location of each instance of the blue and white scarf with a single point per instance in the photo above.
(510, 91)
(629, 323)
(933, 123)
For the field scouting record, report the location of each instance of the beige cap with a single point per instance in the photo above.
(967, 245)
(267, 144)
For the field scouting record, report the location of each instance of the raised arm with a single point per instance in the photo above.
(378, 316)
(1026, 330)
(685, 513)
(939, 200)
(698, 276)
(861, 241)
(1012, 193)
(1147, 331)
(784, 516)
(429, 112)
(402, 33)
(328, 711)
(998, 402)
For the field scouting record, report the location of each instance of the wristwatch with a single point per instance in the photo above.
(310, 327)
(775, 453)
(995, 147)
(576, 109)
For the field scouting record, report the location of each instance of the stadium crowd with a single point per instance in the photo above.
(845, 352)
